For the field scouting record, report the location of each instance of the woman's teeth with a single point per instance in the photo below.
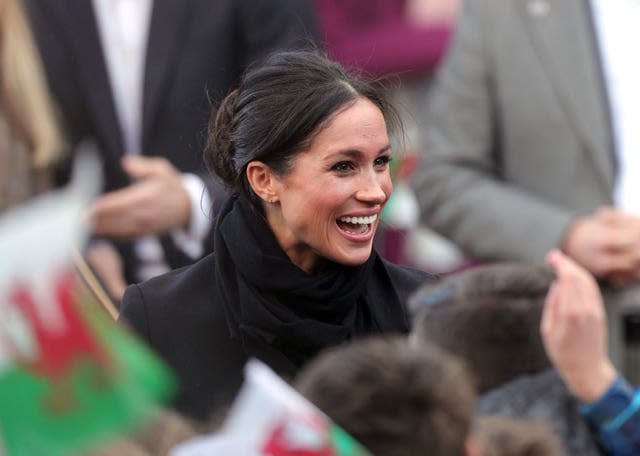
(357, 225)
(360, 220)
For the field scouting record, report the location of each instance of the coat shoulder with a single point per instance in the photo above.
(182, 319)
(406, 279)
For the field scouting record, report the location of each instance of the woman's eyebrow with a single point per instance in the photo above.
(354, 153)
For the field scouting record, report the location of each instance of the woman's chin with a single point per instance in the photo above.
(354, 256)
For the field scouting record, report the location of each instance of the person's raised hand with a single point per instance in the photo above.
(155, 204)
(574, 330)
(606, 243)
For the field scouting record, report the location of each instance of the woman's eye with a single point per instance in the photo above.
(343, 166)
(382, 162)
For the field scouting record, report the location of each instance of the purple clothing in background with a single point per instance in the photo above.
(375, 36)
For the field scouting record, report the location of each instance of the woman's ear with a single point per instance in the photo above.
(263, 181)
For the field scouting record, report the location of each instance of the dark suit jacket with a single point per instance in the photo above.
(195, 47)
(179, 314)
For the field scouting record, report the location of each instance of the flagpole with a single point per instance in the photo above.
(92, 282)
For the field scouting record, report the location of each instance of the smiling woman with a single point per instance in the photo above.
(304, 149)
(327, 205)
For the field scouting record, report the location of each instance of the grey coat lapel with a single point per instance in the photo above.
(562, 33)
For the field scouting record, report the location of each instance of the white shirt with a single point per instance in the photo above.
(123, 27)
(617, 24)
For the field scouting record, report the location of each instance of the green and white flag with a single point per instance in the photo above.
(69, 376)
(269, 418)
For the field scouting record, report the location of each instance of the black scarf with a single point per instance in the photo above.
(269, 300)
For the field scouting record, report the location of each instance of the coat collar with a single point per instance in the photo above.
(168, 31)
(168, 27)
(563, 36)
(81, 30)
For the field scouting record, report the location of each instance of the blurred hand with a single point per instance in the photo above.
(155, 204)
(607, 244)
(430, 12)
(574, 330)
(106, 262)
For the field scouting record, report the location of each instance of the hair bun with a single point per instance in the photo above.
(220, 150)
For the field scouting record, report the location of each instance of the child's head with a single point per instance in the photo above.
(394, 398)
(489, 316)
(496, 436)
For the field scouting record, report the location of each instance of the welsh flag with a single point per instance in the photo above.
(269, 418)
(69, 376)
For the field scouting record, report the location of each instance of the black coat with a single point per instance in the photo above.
(196, 49)
(180, 316)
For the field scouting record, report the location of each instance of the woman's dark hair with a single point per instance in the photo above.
(277, 110)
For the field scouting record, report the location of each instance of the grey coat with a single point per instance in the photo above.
(519, 138)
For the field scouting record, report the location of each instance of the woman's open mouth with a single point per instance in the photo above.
(357, 226)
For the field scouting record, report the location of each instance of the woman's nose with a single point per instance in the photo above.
(372, 189)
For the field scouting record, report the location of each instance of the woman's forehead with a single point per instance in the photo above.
(360, 122)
